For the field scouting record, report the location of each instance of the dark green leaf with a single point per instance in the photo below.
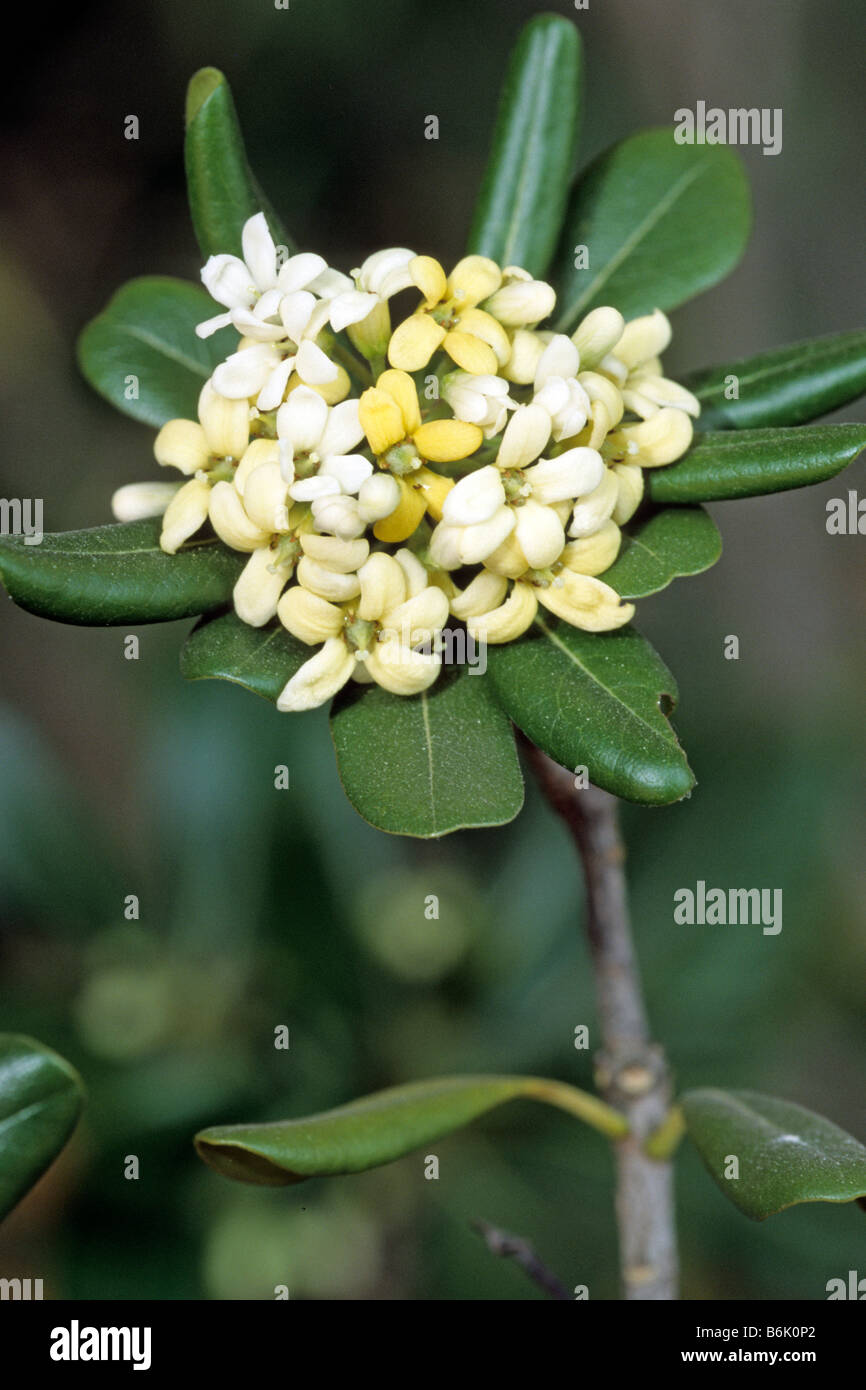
(661, 547)
(661, 222)
(117, 574)
(595, 700)
(261, 659)
(786, 1154)
(142, 354)
(223, 191)
(428, 764)
(382, 1127)
(522, 200)
(40, 1100)
(748, 463)
(789, 386)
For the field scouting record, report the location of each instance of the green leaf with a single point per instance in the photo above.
(117, 574)
(142, 354)
(223, 191)
(788, 386)
(382, 1127)
(261, 659)
(661, 547)
(661, 222)
(428, 764)
(596, 700)
(522, 200)
(786, 1154)
(41, 1097)
(748, 463)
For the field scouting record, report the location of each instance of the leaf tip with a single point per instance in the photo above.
(201, 85)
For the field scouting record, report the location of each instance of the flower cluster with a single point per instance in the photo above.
(466, 464)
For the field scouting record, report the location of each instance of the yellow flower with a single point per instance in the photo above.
(449, 318)
(391, 419)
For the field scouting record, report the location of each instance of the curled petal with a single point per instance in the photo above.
(473, 279)
(313, 366)
(522, 302)
(525, 438)
(184, 515)
(559, 358)
(509, 620)
(522, 364)
(571, 474)
(228, 281)
(414, 572)
(445, 546)
(244, 373)
(403, 521)
(630, 479)
(344, 430)
(308, 617)
(401, 388)
(585, 602)
(419, 619)
(477, 542)
(596, 553)
(182, 444)
(399, 669)
(597, 335)
(382, 586)
(484, 326)
(657, 441)
(349, 471)
(344, 556)
(258, 452)
(540, 534)
(319, 678)
(230, 521)
(475, 498)
(327, 583)
(486, 592)
(300, 271)
(266, 500)
(378, 497)
(595, 507)
(226, 423)
(259, 585)
(469, 352)
(259, 250)
(643, 339)
(274, 388)
(302, 420)
(338, 515)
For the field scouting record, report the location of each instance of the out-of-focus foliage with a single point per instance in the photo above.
(262, 907)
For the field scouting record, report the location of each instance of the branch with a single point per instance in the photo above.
(516, 1248)
(631, 1070)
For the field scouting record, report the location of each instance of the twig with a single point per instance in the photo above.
(521, 1252)
(631, 1070)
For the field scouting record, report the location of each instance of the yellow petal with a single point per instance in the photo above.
(381, 419)
(434, 489)
(231, 522)
(414, 342)
(182, 444)
(419, 619)
(443, 441)
(470, 353)
(485, 593)
(259, 586)
(309, 617)
(259, 452)
(383, 586)
(332, 392)
(508, 621)
(489, 330)
(319, 678)
(340, 555)
(593, 554)
(403, 521)
(585, 602)
(657, 441)
(226, 423)
(401, 388)
(473, 279)
(327, 583)
(398, 669)
(266, 498)
(507, 559)
(185, 513)
(630, 478)
(430, 278)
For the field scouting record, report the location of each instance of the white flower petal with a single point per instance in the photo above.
(349, 470)
(540, 534)
(309, 489)
(351, 307)
(568, 475)
(559, 358)
(211, 326)
(299, 271)
(525, 437)
(302, 419)
(258, 588)
(228, 281)
(244, 373)
(259, 250)
(136, 501)
(313, 367)
(475, 498)
(477, 542)
(274, 388)
(343, 430)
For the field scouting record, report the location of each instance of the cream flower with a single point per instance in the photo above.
(381, 276)
(207, 452)
(517, 496)
(557, 389)
(372, 635)
(479, 400)
(138, 501)
(521, 301)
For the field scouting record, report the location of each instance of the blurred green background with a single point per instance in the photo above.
(262, 907)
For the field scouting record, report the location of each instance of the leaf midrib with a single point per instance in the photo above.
(639, 234)
(666, 736)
